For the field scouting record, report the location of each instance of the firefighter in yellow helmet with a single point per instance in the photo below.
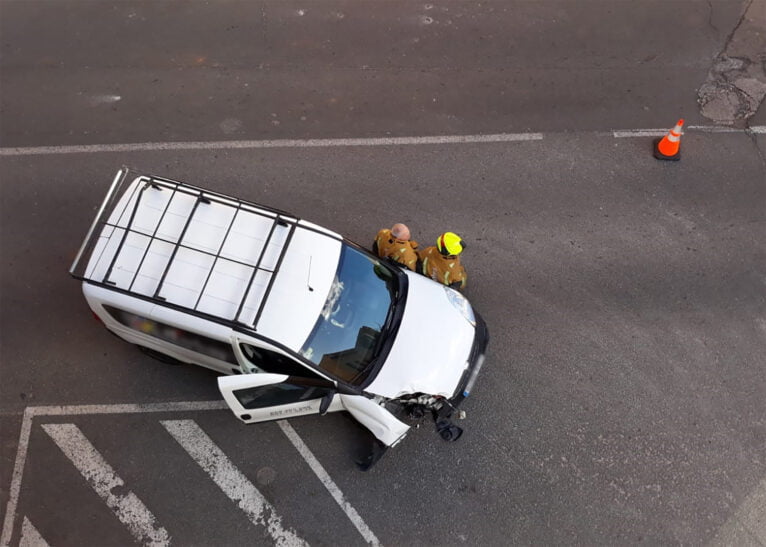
(442, 262)
(397, 245)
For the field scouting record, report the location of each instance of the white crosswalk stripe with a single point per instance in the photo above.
(128, 508)
(30, 537)
(230, 480)
(328, 483)
(125, 504)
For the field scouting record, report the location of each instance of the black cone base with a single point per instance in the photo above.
(660, 156)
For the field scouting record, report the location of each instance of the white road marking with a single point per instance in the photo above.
(30, 537)
(627, 133)
(73, 410)
(639, 133)
(26, 426)
(96, 100)
(185, 406)
(230, 479)
(714, 129)
(280, 143)
(316, 143)
(747, 526)
(323, 476)
(126, 506)
(18, 472)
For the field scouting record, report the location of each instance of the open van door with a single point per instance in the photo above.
(264, 397)
(386, 428)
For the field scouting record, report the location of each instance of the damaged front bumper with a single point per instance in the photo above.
(475, 362)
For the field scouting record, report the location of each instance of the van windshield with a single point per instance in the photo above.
(355, 319)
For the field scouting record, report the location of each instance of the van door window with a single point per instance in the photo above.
(274, 362)
(278, 394)
(174, 335)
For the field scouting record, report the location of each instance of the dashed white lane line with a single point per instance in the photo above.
(280, 143)
(127, 507)
(230, 480)
(328, 483)
(318, 143)
(628, 133)
(30, 537)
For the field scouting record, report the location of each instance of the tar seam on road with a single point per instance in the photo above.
(184, 406)
(318, 143)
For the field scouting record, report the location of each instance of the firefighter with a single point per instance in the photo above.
(442, 262)
(397, 245)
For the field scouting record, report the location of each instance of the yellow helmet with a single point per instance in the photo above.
(449, 243)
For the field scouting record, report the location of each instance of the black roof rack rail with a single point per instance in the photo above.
(150, 234)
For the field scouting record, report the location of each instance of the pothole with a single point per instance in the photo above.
(736, 83)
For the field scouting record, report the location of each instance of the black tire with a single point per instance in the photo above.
(167, 359)
(447, 430)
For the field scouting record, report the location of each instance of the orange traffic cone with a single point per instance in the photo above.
(669, 147)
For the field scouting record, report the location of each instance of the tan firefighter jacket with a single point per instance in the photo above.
(404, 252)
(444, 269)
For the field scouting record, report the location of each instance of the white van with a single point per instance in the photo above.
(300, 320)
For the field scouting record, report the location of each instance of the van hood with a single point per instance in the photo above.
(432, 347)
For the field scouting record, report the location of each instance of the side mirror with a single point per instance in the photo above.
(325, 404)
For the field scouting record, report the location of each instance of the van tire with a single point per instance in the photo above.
(167, 359)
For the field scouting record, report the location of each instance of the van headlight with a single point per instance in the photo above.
(461, 304)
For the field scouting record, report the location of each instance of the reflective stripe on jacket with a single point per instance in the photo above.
(444, 269)
(401, 251)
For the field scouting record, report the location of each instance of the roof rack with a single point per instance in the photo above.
(198, 250)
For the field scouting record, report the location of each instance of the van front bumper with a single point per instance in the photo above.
(475, 362)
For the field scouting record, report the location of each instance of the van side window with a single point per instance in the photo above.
(276, 363)
(174, 335)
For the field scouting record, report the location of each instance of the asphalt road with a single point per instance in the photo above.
(624, 396)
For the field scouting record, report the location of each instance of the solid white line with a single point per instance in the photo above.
(71, 410)
(280, 143)
(127, 507)
(324, 477)
(230, 479)
(759, 129)
(627, 133)
(30, 537)
(640, 133)
(715, 129)
(18, 472)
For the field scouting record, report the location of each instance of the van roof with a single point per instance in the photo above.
(205, 252)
